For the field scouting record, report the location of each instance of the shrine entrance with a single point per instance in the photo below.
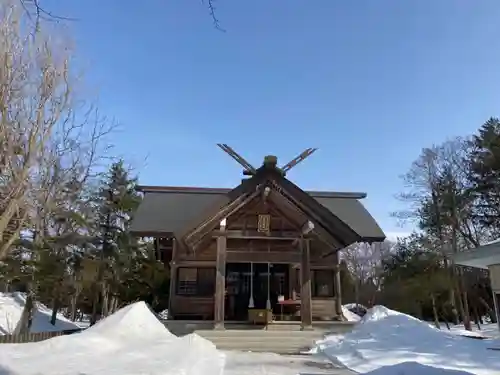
(254, 285)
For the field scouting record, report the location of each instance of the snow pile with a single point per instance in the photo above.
(131, 341)
(385, 339)
(11, 308)
(163, 314)
(349, 315)
(352, 306)
(135, 320)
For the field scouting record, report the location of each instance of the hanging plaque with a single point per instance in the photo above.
(264, 223)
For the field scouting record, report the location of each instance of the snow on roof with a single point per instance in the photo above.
(11, 308)
(480, 257)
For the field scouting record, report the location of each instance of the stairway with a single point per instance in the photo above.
(275, 341)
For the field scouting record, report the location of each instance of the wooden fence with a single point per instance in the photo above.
(34, 337)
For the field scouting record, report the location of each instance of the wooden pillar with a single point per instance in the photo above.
(220, 281)
(338, 291)
(305, 292)
(173, 279)
(291, 281)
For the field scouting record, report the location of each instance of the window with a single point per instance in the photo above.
(198, 282)
(322, 283)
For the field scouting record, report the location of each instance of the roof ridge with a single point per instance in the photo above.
(211, 190)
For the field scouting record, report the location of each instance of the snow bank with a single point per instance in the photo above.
(11, 308)
(133, 320)
(163, 314)
(385, 337)
(131, 341)
(351, 306)
(349, 315)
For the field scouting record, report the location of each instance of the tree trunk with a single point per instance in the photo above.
(73, 311)
(434, 311)
(98, 288)
(55, 308)
(452, 298)
(453, 304)
(95, 303)
(461, 302)
(477, 318)
(445, 320)
(24, 325)
(105, 300)
(467, 318)
(113, 304)
(488, 308)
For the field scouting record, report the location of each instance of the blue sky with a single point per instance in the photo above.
(367, 82)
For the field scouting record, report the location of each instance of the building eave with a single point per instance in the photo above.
(210, 190)
(480, 257)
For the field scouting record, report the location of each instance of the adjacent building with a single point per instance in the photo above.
(487, 257)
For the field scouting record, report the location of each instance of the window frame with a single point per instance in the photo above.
(315, 286)
(193, 288)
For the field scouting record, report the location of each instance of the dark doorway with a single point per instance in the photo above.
(239, 276)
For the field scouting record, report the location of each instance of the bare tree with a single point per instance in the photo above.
(364, 261)
(37, 12)
(439, 202)
(46, 132)
(35, 97)
(50, 140)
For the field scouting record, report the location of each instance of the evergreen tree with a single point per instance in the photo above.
(485, 174)
(117, 200)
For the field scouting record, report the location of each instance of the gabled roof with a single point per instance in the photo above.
(171, 209)
(480, 257)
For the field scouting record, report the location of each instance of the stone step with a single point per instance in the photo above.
(244, 340)
(281, 342)
(255, 333)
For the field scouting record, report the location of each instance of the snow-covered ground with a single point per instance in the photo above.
(11, 308)
(488, 330)
(386, 342)
(134, 341)
(131, 341)
(244, 363)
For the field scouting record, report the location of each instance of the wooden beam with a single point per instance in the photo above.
(239, 256)
(195, 263)
(225, 212)
(307, 228)
(297, 207)
(173, 278)
(255, 235)
(292, 282)
(337, 287)
(220, 281)
(305, 292)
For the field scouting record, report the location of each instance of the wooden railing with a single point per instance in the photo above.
(34, 337)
